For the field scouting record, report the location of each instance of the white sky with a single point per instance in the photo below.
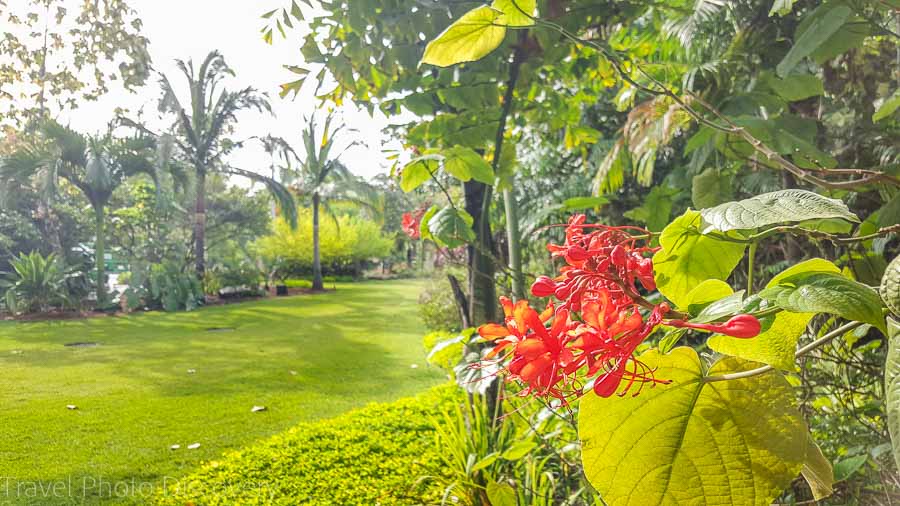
(190, 29)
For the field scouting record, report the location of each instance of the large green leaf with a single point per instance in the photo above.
(516, 13)
(887, 108)
(688, 258)
(737, 442)
(784, 206)
(451, 227)
(711, 188)
(827, 292)
(820, 29)
(818, 472)
(469, 38)
(656, 208)
(797, 87)
(777, 343)
(890, 286)
(419, 170)
(892, 385)
(501, 494)
(464, 164)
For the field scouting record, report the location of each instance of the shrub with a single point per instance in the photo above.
(437, 308)
(344, 244)
(36, 283)
(164, 286)
(373, 455)
(234, 278)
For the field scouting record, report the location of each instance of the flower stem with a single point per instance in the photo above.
(843, 329)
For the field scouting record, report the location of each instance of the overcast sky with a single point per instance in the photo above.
(190, 29)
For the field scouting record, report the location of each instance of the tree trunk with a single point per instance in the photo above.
(200, 225)
(515, 247)
(317, 263)
(482, 293)
(100, 254)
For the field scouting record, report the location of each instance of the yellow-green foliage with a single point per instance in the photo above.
(342, 242)
(374, 455)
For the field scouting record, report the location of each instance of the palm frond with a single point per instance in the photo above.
(281, 193)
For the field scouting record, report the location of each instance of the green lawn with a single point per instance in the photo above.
(304, 358)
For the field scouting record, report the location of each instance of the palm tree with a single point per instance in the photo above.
(95, 165)
(324, 178)
(201, 131)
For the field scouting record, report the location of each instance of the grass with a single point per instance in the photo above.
(304, 358)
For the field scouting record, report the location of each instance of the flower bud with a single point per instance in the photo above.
(543, 286)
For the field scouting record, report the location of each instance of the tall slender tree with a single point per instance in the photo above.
(96, 165)
(201, 135)
(324, 178)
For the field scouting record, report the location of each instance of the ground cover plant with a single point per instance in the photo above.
(373, 455)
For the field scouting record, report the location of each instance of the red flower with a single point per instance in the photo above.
(598, 325)
(411, 223)
(607, 258)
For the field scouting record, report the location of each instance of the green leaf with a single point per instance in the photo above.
(519, 450)
(580, 203)
(668, 341)
(738, 442)
(892, 385)
(846, 468)
(704, 294)
(777, 343)
(826, 292)
(464, 164)
(784, 206)
(711, 188)
(774, 346)
(418, 170)
(820, 29)
(486, 461)
(424, 231)
(817, 472)
(782, 7)
(887, 108)
(451, 227)
(797, 87)
(656, 208)
(516, 13)
(723, 308)
(890, 286)
(501, 494)
(688, 258)
(470, 38)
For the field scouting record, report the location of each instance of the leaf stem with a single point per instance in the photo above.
(843, 329)
(750, 257)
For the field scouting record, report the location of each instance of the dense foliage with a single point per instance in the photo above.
(373, 455)
(346, 244)
(752, 143)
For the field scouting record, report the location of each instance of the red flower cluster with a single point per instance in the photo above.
(598, 324)
(411, 222)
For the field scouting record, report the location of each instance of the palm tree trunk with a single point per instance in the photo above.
(200, 225)
(515, 246)
(100, 254)
(317, 264)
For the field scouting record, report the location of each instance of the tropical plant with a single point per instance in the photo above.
(36, 283)
(96, 165)
(322, 177)
(167, 285)
(771, 120)
(200, 134)
(344, 243)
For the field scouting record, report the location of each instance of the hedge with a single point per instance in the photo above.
(373, 455)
